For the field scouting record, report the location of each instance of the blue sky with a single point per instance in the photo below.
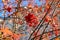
(24, 3)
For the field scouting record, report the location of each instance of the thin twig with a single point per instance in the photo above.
(45, 33)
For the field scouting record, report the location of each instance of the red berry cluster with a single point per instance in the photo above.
(9, 9)
(31, 19)
(47, 19)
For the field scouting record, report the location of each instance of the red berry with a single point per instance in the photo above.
(31, 19)
(9, 9)
(56, 32)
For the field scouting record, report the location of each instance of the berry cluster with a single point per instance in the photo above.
(31, 19)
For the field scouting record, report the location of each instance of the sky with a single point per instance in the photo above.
(24, 3)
